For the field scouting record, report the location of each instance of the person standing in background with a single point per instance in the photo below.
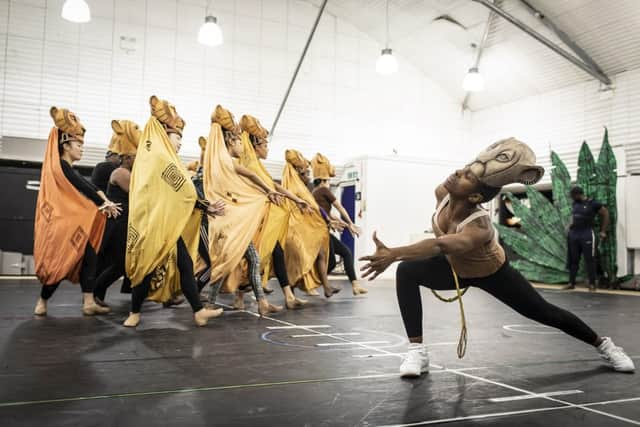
(581, 238)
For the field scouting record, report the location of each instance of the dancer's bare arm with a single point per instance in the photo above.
(472, 235)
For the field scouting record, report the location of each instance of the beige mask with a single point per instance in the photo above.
(506, 162)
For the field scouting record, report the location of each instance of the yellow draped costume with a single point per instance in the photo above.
(307, 234)
(161, 210)
(246, 205)
(274, 227)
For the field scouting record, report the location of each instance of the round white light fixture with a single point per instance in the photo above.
(210, 33)
(473, 81)
(386, 63)
(76, 11)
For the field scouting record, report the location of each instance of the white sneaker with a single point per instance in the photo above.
(416, 362)
(615, 356)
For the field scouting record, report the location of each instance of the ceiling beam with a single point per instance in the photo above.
(545, 41)
(563, 36)
(297, 70)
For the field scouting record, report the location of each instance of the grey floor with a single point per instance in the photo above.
(331, 364)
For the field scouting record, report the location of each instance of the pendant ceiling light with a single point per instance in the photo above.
(210, 33)
(387, 63)
(76, 11)
(473, 81)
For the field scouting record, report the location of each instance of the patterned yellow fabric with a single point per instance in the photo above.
(322, 167)
(246, 205)
(161, 210)
(274, 227)
(307, 234)
(126, 135)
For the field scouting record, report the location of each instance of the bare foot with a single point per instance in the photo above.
(41, 308)
(175, 300)
(267, 290)
(238, 302)
(93, 309)
(100, 302)
(330, 291)
(202, 316)
(265, 307)
(295, 303)
(313, 293)
(358, 290)
(132, 321)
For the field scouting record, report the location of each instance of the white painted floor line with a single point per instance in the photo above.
(503, 414)
(608, 402)
(294, 326)
(534, 396)
(338, 334)
(476, 417)
(455, 371)
(552, 399)
(365, 356)
(333, 344)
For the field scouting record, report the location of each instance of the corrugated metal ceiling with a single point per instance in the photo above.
(513, 64)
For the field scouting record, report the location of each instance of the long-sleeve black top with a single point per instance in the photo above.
(89, 190)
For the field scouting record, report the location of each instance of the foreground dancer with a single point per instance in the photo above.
(323, 171)
(248, 198)
(70, 217)
(125, 141)
(467, 245)
(306, 248)
(274, 228)
(164, 218)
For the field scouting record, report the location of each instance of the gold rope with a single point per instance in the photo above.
(462, 341)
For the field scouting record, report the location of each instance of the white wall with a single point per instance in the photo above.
(562, 119)
(339, 105)
(397, 199)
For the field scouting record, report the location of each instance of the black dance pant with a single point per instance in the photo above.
(506, 284)
(336, 247)
(279, 266)
(187, 282)
(582, 243)
(87, 274)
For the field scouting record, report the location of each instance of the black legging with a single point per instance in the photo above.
(339, 248)
(87, 274)
(507, 285)
(187, 282)
(111, 259)
(581, 243)
(279, 266)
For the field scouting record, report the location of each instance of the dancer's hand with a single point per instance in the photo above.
(216, 209)
(275, 197)
(603, 235)
(379, 261)
(354, 230)
(110, 209)
(304, 207)
(337, 225)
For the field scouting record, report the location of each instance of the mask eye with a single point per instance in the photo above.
(504, 157)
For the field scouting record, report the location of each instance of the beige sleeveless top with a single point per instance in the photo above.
(478, 262)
